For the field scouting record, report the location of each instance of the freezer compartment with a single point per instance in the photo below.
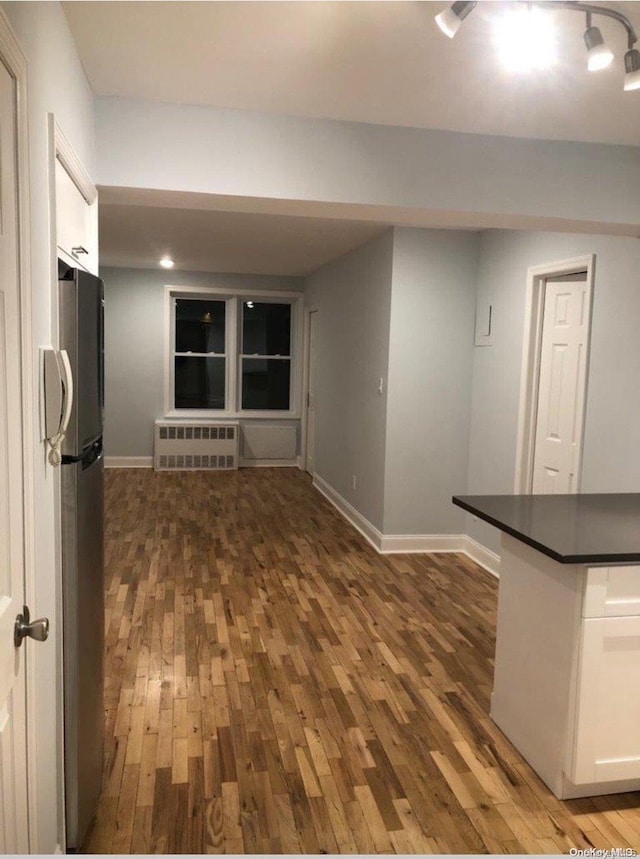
(83, 596)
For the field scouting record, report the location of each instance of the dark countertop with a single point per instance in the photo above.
(571, 529)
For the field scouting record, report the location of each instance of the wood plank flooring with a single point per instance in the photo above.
(275, 686)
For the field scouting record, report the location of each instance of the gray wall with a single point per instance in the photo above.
(134, 347)
(430, 371)
(145, 144)
(353, 297)
(402, 307)
(448, 421)
(611, 451)
(56, 84)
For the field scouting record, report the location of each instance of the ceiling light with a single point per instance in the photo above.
(598, 55)
(249, 304)
(167, 262)
(525, 39)
(632, 70)
(449, 20)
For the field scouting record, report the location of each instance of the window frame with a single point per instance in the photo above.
(255, 356)
(173, 353)
(234, 299)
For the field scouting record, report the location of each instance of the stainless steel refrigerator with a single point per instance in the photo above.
(81, 301)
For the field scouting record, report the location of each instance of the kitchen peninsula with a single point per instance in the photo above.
(567, 667)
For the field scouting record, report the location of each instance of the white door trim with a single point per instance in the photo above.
(530, 374)
(305, 386)
(14, 59)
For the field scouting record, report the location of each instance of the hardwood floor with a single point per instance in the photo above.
(275, 686)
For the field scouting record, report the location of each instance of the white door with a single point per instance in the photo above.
(311, 397)
(561, 387)
(13, 755)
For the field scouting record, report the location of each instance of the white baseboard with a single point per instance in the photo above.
(387, 544)
(484, 557)
(407, 543)
(368, 531)
(267, 463)
(128, 462)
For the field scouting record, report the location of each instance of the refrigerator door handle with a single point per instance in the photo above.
(58, 393)
(67, 387)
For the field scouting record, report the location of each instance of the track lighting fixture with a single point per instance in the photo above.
(599, 55)
(449, 20)
(632, 70)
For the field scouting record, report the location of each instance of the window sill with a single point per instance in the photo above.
(215, 415)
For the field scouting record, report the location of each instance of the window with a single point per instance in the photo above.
(199, 358)
(232, 354)
(266, 356)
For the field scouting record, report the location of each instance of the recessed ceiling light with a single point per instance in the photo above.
(167, 262)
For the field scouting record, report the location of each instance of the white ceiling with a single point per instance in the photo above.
(380, 62)
(248, 235)
(383, 62)
(138, 236)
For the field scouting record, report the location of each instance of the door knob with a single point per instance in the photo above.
(37, 629)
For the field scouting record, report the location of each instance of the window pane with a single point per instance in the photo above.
(199, 325)
(266, 328)
(265, 383)
(199, 383)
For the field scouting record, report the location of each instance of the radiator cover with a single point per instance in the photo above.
(195, 446)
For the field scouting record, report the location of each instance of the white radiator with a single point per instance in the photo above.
(195, 445)
(268, 441)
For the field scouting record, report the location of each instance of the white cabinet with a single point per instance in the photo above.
(607, 732)
(76, 222)
(612, 592)
(567, 670)
(606, 741)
